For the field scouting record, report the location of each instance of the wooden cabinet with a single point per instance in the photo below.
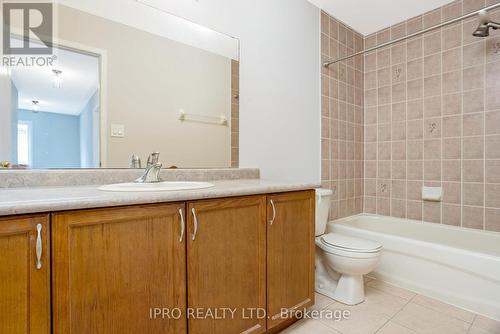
(226, 259)
(290, 253)
(111, 266)
(25, 275)
(219, 266)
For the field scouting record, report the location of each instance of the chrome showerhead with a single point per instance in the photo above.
(483, 30)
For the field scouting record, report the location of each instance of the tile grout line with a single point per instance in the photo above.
(472, 323)
(462, 125)
(376, 133)
(406, 122)
(395, 314)
(422, 54)
(364, 129)
(485, 52)
(441, 30)
(392, 124)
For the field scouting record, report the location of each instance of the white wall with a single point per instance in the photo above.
(279, 78)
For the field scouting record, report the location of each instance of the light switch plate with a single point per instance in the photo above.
(117, 130)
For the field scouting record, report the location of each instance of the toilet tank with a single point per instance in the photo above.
(323, 202)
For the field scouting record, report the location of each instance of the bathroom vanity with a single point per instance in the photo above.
(88, 267)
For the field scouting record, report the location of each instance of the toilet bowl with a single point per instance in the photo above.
(341, 261)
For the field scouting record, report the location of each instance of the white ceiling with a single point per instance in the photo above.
(154, 16)
(80, 75)
(369, 16)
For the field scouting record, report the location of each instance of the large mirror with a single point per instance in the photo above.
(122, 79)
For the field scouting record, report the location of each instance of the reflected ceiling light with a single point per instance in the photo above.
(57, 79)
(35, 107)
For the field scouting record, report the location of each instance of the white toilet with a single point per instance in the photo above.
(341, 261)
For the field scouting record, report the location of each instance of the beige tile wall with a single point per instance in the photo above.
(235, 113)
(432, 117)
(342, 118)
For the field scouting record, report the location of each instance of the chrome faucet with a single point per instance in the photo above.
(152, 172)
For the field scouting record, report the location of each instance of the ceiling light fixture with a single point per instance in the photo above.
(35, 105)
(57, 79)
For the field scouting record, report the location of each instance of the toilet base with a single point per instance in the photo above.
(349, 290)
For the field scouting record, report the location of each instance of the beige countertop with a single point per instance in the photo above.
(14, 201)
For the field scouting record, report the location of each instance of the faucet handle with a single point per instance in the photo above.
(153, 158)
(135, 161)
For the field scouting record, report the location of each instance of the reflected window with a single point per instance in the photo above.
(61, 104)
(24, 143)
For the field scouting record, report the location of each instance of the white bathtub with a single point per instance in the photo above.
(456, 265)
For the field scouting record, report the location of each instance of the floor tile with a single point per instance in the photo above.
(424, 320)
(448, 309)
(369, 316)
(476, 330)
(394, 328)
(389, 309)
(486, 324)
(391, 289)
(382, 302)
(361, 320)
(321, 302)
(309, 326)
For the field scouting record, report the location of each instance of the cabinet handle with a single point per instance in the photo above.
(195, 224)
(39, 247)
(183, 225)
(274, 213)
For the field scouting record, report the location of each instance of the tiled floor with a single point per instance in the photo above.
(392, 310)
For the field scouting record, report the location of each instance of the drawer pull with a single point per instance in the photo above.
(183, 225)
(274, 213)
(195, 219)
(39, 247)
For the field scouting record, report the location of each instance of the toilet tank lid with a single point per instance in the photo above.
(323, 192)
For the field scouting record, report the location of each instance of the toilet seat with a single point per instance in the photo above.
(345, 253)
(334, 242)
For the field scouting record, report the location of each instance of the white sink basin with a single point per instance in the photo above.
(160, 186)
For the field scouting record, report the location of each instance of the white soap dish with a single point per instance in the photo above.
(433, 194)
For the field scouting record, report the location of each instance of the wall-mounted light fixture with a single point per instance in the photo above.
(57, 79)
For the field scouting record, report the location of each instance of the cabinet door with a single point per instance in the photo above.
(227, 264)
(290, 253)
(113, 266)
(25, 275)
